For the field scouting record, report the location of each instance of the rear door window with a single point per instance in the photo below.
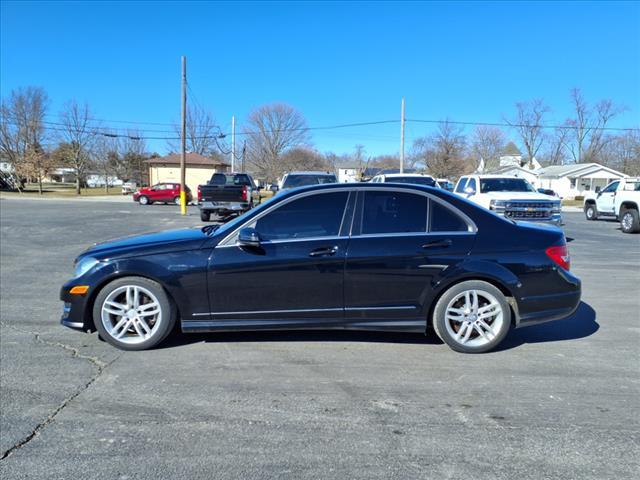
(443, 219)
(393, 212)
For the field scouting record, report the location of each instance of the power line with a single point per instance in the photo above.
(525, 125)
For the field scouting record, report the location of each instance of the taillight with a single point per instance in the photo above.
(199, 194)
(560, 255)
(245, 192)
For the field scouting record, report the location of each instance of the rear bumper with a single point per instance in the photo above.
(537, 309)
(224, 206)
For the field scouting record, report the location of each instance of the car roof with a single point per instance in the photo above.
(393, 175)
(493, 176)
(309, 172)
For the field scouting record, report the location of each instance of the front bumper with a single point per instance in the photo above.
(554, 219)
(74, 309)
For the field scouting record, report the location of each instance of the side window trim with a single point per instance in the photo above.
(359, 212)
(229, 240)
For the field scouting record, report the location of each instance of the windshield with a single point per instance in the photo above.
(505, 185)
(225, 179)
(293, 181)
(414, 180)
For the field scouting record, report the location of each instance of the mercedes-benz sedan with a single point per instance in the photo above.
(338, 256)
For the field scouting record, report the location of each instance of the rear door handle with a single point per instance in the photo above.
(321, 252)
(437, 244)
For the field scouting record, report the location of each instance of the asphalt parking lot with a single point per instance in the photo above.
(559, 400)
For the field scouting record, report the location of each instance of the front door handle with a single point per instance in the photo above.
(321, 252)
(438, 244)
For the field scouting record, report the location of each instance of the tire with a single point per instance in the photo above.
(144, 200)
(154, 309)
(205, 216)
(630, 221)
(467, 338)
(590, 211)
(177, 201)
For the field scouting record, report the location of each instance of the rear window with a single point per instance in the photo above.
(293, 181)
(430, 182)
(230, 179)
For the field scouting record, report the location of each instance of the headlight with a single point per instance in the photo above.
(497, 204)
(84, 265)
(556, 207)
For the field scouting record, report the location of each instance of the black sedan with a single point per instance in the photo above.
(338, 256)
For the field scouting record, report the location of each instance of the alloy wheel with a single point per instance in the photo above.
(627, 221)
(131, 314)
(474, 318)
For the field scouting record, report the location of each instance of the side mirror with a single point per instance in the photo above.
(469, 190)
(249, 237)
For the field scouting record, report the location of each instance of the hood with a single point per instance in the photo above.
(150, 243)
(520, 196)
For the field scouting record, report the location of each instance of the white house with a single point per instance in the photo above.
(516, 171)
(99, 180)
(349, 172)
(570, 181)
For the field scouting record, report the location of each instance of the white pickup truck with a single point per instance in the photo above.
(511, 197)
(619, 199)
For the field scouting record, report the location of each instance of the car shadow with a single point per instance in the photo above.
(579, 325)
(177, 338)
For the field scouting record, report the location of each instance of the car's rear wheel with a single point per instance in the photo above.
(630, 221)
(144, 200)
(472, 317)
(591, 212)
(205, 216)
(133, 313)
(177, 200)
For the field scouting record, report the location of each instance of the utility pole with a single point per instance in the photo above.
(402, 137)
(244, 154)
(183, 146)
(233, 143)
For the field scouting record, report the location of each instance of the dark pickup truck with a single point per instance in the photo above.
(225, 194)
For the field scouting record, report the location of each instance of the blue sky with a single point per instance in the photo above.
(336, 62)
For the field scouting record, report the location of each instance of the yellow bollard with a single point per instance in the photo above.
(183, 202)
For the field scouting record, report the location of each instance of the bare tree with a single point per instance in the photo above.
(133, 151)
(79, 136)
(444, 152)
(107, 158)
(271, 130)
(529, 124)
(303, 158)
(623, 153)
(556, 142)
(22, 131)
(487, 143)
(202, 132)
(588, 123)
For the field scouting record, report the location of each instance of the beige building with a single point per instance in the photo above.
(198, 172)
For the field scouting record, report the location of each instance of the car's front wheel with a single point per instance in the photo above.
(144, 200)
(472, 317)
(591, 212)
(133, 313)
(205, 216)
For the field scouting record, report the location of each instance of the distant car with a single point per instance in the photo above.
(411, 178)
(304, 179)
(225, 194)
(546, 191)
(161, 193)
(129, 188)
(445, 184)
(356, 256)
(511, 197)
(620, 200)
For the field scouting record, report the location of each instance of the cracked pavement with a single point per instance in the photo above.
(558, 401)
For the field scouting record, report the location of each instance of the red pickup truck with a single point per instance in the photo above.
(161, 192)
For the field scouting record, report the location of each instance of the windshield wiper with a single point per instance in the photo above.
(208, 229)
